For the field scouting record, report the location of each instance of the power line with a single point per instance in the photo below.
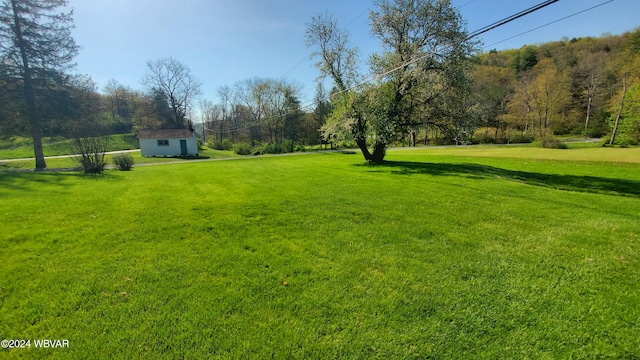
(356, 18)
(550, 23)
(295, 66)
(380, 76)
(511, 18)
(470, 36)
(467, 3)
(305, 58)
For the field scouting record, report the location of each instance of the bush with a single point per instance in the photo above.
(550, 143)
(90, 151)
(92, 165)
(622, 140)
(521, 138)
(221, 145)
(242, 148)
(124, 162)
(258, 150)
(194, 157)
(483, 139)
(216, 145)
(269, 148)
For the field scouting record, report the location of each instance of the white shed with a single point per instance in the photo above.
(168, 142)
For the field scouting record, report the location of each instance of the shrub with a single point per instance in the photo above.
(269, 148)
(216, 145)
(258, 150)
(622, 140)
(194, 157)
(90, 151)
(483, 139)
(124, 162)
(550, 143)
(628, 141)
(596, 133)
(521, 138)
(242, 148)
(221, 145)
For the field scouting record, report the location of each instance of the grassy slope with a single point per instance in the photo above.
(63, 163)
(321, 256)
(18, 147)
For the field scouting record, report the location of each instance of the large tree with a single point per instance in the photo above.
(422, 71)
(338, 60)
(172, 86)
(336, 57)
(426, 59)
(36, 47)
(624, 103)
(256, 94)
(541, 97)
(588, 73)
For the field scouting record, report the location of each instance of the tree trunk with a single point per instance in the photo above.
(615, 127)
(32, 114)
(362, 144)
(379, 151)
(586, 123)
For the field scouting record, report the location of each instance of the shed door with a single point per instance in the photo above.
(183, 147)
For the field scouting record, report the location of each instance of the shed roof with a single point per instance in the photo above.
(164, 134)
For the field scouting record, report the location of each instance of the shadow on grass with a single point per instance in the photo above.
(590, 184)
(29, 181)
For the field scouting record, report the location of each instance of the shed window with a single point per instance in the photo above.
(163, 142)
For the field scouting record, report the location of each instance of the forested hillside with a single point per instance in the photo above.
(578, 86)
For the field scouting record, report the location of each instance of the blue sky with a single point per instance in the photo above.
(225, 41)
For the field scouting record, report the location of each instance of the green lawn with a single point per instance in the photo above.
(576, 151)
(68, 162)
(435, 254)
(19, 147)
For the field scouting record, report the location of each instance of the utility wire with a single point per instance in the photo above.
(511, 18)
(346, 26)
(306, 58)
(550, 23)
(470, 36)
(467, 3)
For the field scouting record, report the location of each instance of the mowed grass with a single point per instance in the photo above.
(431, 255)
(20, 147)
(576, 151)
(70, 162)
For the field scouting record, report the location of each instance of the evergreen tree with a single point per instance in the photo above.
(36, 47)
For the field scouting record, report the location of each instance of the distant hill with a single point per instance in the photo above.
(572, 86)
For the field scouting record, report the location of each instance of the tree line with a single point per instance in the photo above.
(432, 84)
(40, 96)
(580, 86)
(429, 84)
(259, 111)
